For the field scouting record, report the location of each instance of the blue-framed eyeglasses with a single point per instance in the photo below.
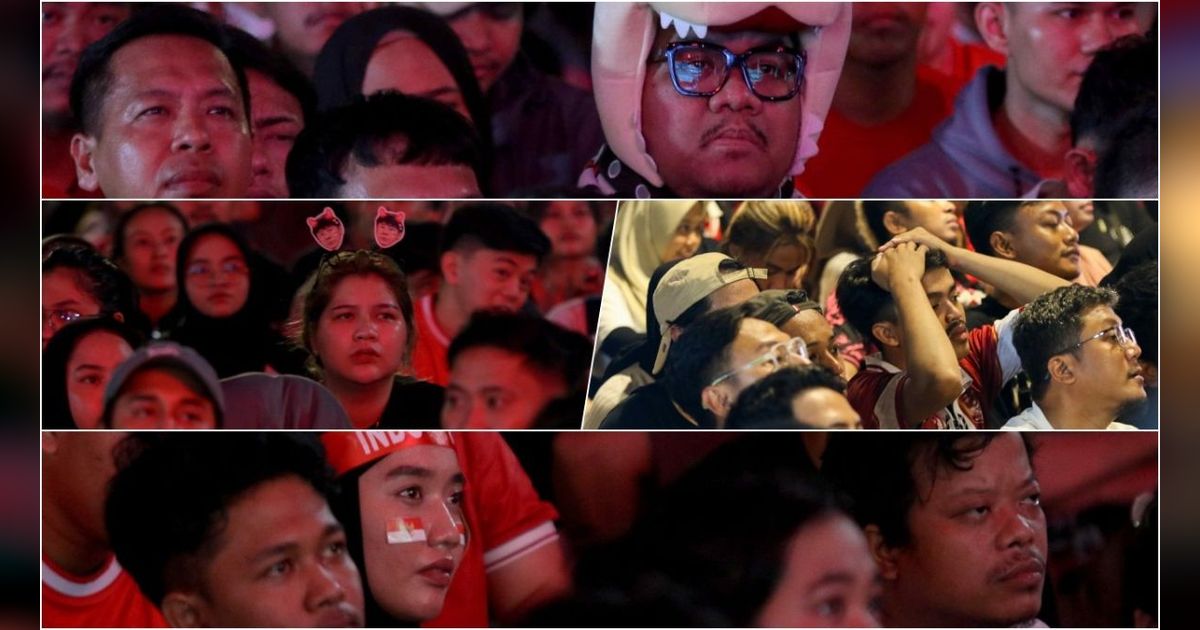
(779, 355)
(773, 73)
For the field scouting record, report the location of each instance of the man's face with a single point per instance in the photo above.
(1104, 369)
(817, 333)
(942, 293)
(731, 144)
(884, 33)
(825, 408)
(409, 181)
(1042, 237)
(491, 33)
(785, 263)
(276, 119)
(64, 300)
(172, 124)
(89, 369)
(492, 388)
(68, 28)
(156, 398)
(405, 64)
(938, 216)
(413, 529)
(828, 580)
(1050, 45)
(302, 28)
(977, 555)
(280, 561)
(754, 339)
(490, 278)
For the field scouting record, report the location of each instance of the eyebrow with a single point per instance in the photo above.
(87, 366)
(833, 578)
(292, 547)
(272, 121)
(405, 470)
(65, 303)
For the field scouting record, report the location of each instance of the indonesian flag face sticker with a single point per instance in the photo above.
(403, 529)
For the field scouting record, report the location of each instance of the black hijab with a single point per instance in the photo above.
(342, 63)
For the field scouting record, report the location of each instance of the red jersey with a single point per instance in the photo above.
(429, 360)
(991, 360)
(107, 599)
(851, 153)
(505, 518)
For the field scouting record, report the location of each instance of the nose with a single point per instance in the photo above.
(1071, 236)
(324, 588)
(70, 38)
(191, 132)
(1133, 350)
(831, 362)
(48, 330)
(1018, 530)
(861, 616)
(735, 95)
(446, 529)
(1097, 33)
(366, 329)
(260, 165)
(472, 30)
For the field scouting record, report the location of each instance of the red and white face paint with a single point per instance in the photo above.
(414, 529)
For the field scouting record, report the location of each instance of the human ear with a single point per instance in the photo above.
(1080, 172)
(182, 610)
(991, 19)
(83, 149)
(1002, 245)
(886, 333)
(883, 555)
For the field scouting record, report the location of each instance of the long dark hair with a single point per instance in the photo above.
(56, 410)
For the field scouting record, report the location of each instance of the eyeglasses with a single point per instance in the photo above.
(59, 317)
(773, 73)
(1123, 336)
(229, 267)
(781, 354)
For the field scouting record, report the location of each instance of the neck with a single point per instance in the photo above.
(905, 612)
(895, 356)
(449, 311)
(66, 546)
(1066, 410)
(157, 304)
(363, 403)
(871, 94)
(1037, 133)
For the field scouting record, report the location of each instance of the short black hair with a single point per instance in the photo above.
(865, 303)
(873, 211)
(767, 404)
(1051, 324)
(118, 233)
(549, 349)
(495, 226)
(96, 275)
(1137, 306)
(1128, 167)
(167, 505)
(89, 85)
(877, 471)
(700, 355)
(382, 129)
(248, 52)
(1121, 77)
(982, 218)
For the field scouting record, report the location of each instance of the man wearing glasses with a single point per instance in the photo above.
(931, 372)
(710, 100)
(1082, 360)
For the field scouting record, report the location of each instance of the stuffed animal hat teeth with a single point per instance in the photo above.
(623, 35)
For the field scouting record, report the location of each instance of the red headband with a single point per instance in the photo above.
(347, 450)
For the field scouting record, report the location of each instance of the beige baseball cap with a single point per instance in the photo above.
(688, 282)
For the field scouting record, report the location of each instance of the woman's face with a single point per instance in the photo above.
(151, 240)
(413, 529)
(786, 265)
(217, 278)
(686, 239)
(829, 580)
(571, 228)
(64, 300)
(89, 369)
(360, 337)
(404, 63)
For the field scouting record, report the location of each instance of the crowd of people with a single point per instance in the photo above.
(240, 315)
(932, 314)
(525, 100)
(474, 529)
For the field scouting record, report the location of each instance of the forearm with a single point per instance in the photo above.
(1018, 280)
(930, 360)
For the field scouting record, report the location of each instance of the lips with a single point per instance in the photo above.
(365, 355)
(325, 18)
(1025, 572)
(190, 182)
(438, 574)
(343, 617)
(735, 136)
(959, 329)
(1071, 252)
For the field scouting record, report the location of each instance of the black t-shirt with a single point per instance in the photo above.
(413, 405)
(648, 407)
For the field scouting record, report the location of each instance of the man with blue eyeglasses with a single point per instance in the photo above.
(1081, 358)
(704, 100)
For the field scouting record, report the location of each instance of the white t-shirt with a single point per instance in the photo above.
(1033, 419)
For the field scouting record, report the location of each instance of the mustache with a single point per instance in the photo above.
(711, 133)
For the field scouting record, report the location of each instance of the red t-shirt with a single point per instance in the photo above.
(506, 520)
(991, 360)
(429, 361)
(107, 599)
(851, 154)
